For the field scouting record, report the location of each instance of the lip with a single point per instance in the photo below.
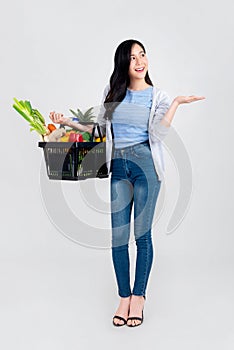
(140, 70)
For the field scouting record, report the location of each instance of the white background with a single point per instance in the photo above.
(57, 294)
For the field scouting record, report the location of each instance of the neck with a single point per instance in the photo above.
(138, 84)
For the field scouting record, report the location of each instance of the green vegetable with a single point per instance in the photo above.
(33, 116)
(86, 136)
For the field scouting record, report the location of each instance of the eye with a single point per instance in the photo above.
(143, 54)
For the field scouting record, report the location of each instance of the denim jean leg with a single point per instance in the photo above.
(142, 229)
(146, 190)
(143, 263)
(121, 206)
(120, 258)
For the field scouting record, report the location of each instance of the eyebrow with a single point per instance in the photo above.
(139, 52)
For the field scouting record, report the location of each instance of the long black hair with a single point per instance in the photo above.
(119, 80)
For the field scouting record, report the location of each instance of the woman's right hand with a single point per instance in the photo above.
(58, 118)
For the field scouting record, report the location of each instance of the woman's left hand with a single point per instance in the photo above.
(188, 99)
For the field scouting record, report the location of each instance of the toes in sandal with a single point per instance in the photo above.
(135, 318)
(119, 318)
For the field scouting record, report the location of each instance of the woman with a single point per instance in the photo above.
(136, 117)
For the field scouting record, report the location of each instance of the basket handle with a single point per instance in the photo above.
(99, 131)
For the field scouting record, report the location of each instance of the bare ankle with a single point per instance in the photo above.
(138, 296)
(125, 298)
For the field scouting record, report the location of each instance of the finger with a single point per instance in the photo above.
(59, 116)
(196, 97)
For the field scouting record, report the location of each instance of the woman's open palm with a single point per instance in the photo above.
(188, 99)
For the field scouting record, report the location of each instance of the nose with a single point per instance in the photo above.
(138, 61)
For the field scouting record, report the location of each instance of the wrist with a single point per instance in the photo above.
(67, 122)
(175, 103)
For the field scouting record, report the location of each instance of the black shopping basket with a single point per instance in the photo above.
(76, 160)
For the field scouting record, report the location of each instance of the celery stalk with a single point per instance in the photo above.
(33, 116)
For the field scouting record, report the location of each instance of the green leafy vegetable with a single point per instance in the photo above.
(86, 136)
(86, 117)
(33, 116)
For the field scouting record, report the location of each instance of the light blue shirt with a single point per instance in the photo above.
(157, 130)
(130, 118)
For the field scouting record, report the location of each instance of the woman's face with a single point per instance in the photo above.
(138, 60)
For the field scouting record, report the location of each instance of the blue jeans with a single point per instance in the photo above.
(134, 179)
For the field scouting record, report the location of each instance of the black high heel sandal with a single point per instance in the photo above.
(121, 319)
(136, 318)
(119, 324)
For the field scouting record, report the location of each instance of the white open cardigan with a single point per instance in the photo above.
(157, 131)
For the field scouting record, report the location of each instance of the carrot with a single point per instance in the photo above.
(51, 127)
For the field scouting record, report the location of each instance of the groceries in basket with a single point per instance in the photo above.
(70, 154)
(49, 132)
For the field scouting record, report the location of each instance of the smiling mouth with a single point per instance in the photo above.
(140, 69)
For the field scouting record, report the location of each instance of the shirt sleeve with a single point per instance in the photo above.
(159, 131)
(100, 120)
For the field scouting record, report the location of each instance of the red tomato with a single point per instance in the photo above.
(79, 138)
(73, 137)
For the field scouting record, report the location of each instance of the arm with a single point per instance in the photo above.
(164, 114)
(78, 126)
(167, 119)
(60, 119)
(169, 115)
